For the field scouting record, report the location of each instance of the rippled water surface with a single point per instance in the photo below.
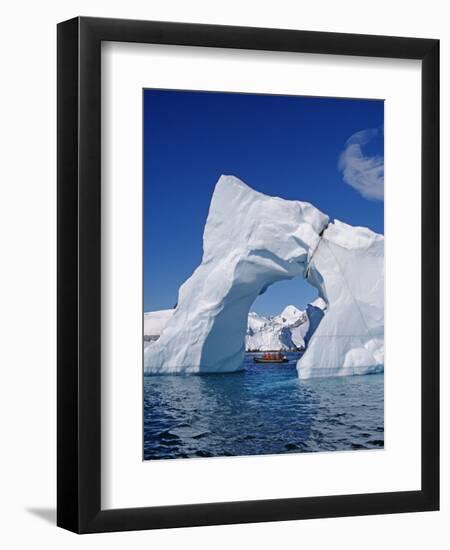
(264, 409)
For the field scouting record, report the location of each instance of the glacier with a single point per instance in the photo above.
(250, 242)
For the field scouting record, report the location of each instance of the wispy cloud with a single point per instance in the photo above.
(363, 173)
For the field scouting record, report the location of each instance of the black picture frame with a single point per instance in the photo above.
(79, 280)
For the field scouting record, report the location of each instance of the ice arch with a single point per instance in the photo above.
(251, 241)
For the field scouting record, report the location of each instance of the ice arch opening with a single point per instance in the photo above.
(282, 318)
(252, 241)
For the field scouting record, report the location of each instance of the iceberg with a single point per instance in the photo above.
(252, 241)
(348, 269)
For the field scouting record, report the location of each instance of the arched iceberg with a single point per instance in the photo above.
(251, 241)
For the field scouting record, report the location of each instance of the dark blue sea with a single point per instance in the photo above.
(264, 409)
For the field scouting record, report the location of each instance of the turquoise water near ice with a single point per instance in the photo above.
(264, 409)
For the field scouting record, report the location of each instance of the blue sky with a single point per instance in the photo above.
(322, 150)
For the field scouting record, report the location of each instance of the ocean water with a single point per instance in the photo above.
(264, 409)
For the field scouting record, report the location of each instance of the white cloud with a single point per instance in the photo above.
(365, 174)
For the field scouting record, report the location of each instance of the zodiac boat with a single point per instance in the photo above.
(271, 358)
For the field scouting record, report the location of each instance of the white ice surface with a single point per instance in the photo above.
(348, 270)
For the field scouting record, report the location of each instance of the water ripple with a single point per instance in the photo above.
(264, 409)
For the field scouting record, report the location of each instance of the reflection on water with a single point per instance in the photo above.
(264, 409)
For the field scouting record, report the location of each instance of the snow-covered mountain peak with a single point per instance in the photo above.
(290, 311)
(291, 315)
(279, 332)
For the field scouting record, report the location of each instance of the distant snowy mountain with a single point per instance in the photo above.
(280, 332)
(154, 322)
(289, 330)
